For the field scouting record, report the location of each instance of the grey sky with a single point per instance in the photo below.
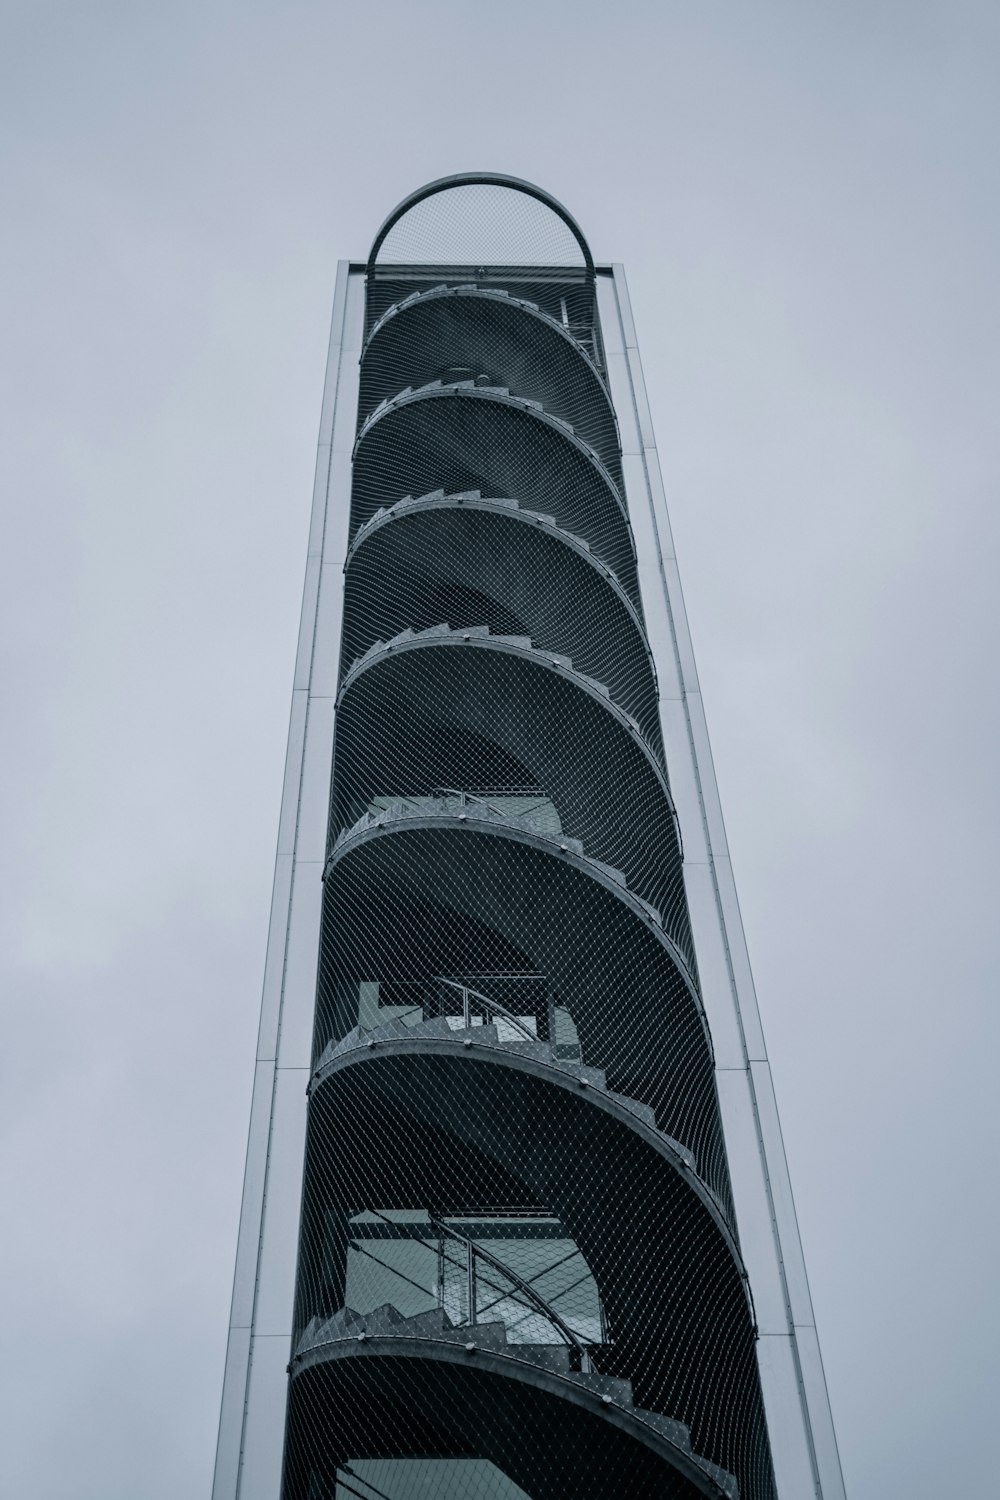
(805, 198)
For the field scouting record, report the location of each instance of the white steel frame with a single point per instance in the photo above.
(255, 1390)
(800, 1424)
(252, 1423)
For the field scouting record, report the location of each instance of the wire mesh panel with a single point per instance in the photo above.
(481, 1207)
(465, 436)
(468, 561)
(470, 332)
(518, 1272)
(490, 712)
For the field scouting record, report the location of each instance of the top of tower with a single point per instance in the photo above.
(481, 218)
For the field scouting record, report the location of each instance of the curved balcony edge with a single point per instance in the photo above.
(480, 638)
(497, 395)
(507, 299)
(484, 820)
(475, 500)
(601, 1398)
(477, 1046)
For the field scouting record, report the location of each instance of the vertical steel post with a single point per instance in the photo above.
(255, 1386)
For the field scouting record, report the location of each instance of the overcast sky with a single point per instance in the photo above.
(805, 197)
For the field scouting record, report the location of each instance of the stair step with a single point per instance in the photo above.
(619, 1390)
(727, 1482)
(643, 1111)
(554, 1357)
(676, 1432)
(322, 1330)
(491, 1336)
(434, 1324)
(384, 1319)
(429, 1325)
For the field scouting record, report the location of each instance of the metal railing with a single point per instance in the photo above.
(519, 803)
(490, 1008)
(520, 1291)
(531, 1010)
(538, 1303)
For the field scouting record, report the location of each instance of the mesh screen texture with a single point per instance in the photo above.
(468, 561)
(463, 437)
(518, 1270)
(566, 298)
(469, 332)
(482, 895)
(661, 1332)
(467, 710)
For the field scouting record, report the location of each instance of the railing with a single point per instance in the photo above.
(476, 1252)
(520, 1290)
(528, 805)
(531, 1009)
(494, 794)
(490, 1008)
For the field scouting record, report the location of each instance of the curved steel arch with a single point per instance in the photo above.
(480, 179)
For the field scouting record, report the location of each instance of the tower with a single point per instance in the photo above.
(516, 1216)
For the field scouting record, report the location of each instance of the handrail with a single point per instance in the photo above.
(493, 1007)
(535, 1298)
(535, 793)
(533, 1009)
(441, 792)
(464, 796)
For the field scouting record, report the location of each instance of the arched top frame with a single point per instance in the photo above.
(480, 179)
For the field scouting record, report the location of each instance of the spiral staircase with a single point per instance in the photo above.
(519, 1270)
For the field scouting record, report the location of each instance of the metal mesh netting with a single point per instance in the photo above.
(463, 437)
(487, 894)
(466, 560)
(470, 710)
(508, 1208)
(481, 222)
(518, 1274)
(453, 333)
